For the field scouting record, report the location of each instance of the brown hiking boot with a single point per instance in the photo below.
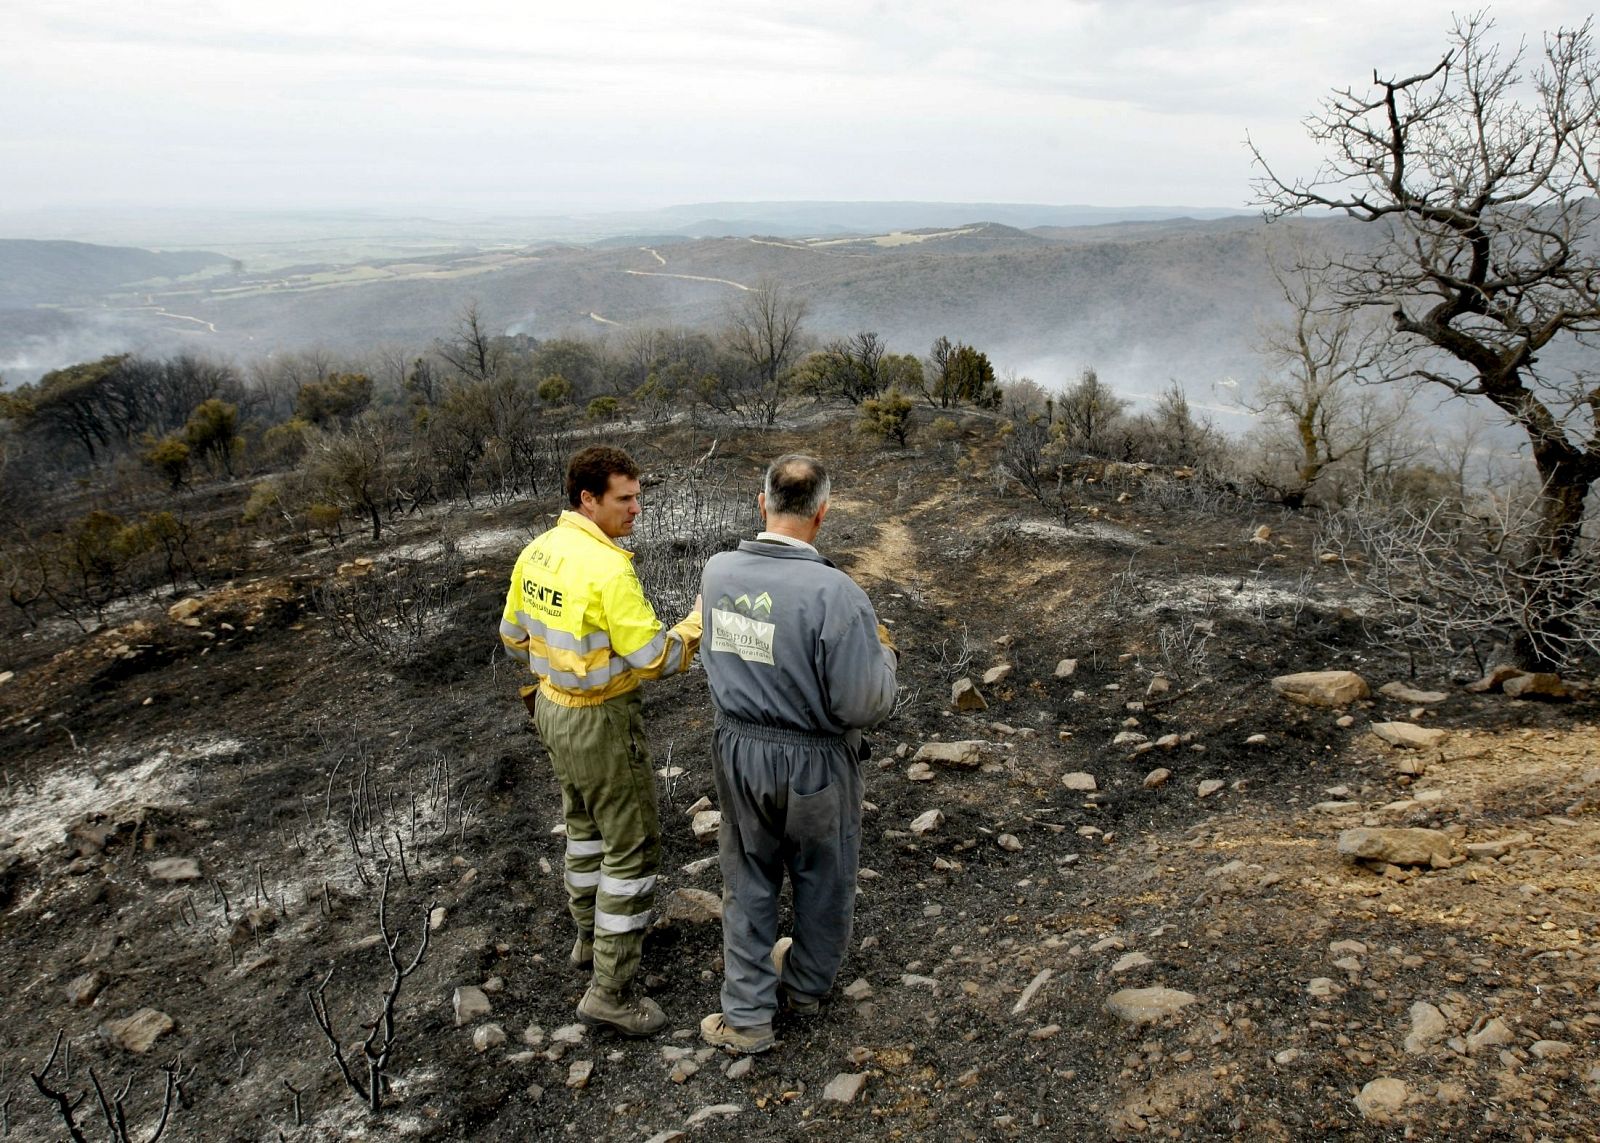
(582, 954)
(717, 1032)
(790, 1001)
(631, 1015)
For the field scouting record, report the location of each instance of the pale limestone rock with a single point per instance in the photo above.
(487, 1036)
(692, 907)
(1157, 778)
(927, 822)
(1208, 787)
(1381, 1099)
(964, 755)
(1322, 688)
(844, 1087)
(1403, 693)
(1078, 780)
(470, 1003)
(1500, 846)
(996, 674)
(1065, 668)
(1409, 735)
(139, 1032)
(1428, 1027)
(1148, 1005)
(706, 825)
(172, 869)
(964, 696)
(1535, 685)
(1429, 847)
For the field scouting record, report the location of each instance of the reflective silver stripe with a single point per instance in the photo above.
(620, 923)
(593, 681)
(583, 880)
(626, 886)
(649, 653)
(555, 637)
(674, 662)
(509, 630)
(585, 848)
(520, 654)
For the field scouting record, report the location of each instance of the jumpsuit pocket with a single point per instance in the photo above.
(814, 817)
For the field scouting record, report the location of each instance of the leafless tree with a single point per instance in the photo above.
(1480, 174)
(762, 331)
(471, 350)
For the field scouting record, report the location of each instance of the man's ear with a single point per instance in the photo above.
(821, 512)
(761, 505)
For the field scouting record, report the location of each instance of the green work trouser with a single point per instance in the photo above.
(608, 795)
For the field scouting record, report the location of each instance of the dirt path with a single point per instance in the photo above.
(688, 278)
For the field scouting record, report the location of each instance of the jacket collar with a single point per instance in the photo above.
(784, 551)
(571, 519)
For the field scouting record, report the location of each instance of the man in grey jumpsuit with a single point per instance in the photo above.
(798, 665)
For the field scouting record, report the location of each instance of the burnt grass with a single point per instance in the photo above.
(293, 766)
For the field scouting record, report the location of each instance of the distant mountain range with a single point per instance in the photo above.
(33, 272)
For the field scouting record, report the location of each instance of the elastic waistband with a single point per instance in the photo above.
(776, 733)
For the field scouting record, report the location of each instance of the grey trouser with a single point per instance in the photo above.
(608, 795)
(790, 801)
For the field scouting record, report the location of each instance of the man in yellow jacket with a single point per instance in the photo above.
(575, 613)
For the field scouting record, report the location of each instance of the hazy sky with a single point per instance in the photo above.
(532, 106)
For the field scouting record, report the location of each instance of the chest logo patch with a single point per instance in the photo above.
(740, 627)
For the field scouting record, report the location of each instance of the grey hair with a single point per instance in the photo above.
(796, 485)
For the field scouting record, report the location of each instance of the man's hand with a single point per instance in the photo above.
(887, 640)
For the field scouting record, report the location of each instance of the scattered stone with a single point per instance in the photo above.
(919, 772)
(682, 1070)
(1262, 534)
(927, 822)
(1322, 688)
(533, 1035)
(171, 869)
(1066, 668)
(1535, 685)
(1208, 787)
(964, 696)
(1039, 981)
(1322, 988)
(1335, 807)
(470, 1004)
(1147, 1005)
(1157, 778)
(573, 1034)
(1428, 1027)
(494, 985)
(1495, 1034)
(184, 609)
(1495, 679)
(1345, 721)
(1009, 843)
(1352, 948)
(740, 1067)
(1159, 685)
(960, 755)
(1129, 738)
(1404, 693)
(579, 1074)
(436, 918)
(1048, 1032)
(1078, 780)
(82, 990)
(844, 1087)
(1430, 847)
(1256, 740)
(997, 674)
(1409, 735)
(1550, 1049)
(1381, 1099)
(1287, 1056)
(703, 804)
(915, 980)
(139, 1032)
(1169, 741)
(486, 1036)
(1499, 847)
(706, 825)
(715, 1111)
(858, 990)
(1128, 962)
(692, 907)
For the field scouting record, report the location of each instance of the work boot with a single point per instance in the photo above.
(717, 1032)
(791, 1001)
(582, 954)
(633, 1015)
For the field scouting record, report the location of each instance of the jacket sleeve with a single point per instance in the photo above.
(513, 636)
(650, 650)
(857, 669)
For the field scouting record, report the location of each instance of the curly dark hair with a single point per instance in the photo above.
(591, 471)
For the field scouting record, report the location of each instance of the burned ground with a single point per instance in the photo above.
(293, 764)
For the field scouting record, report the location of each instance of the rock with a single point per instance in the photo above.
(486, 1036)
(1550, 1049)
(858, 990)
(139, 1032)
(1382, 1098)
(960, 755)
(1495, 1034)
(579, 1074)
(1128, 962)
(1351, 948)
(1039, 981)
(1403, 693)
(1335, 807)
(740, 1067)
(1009, 843)
(844, 1087)
(1322, 688)
(682, 1070)
(1159, 685)
(1256, 740)
(1262, 534)
(706, 825)
(1287, 1056)
(915, 980)
(1157, 778)
(1430, 847)
(1208, 787)
(715, 1111)
(965, 696)
(171, 869)
(82, 990)
(533, 1035)
(701, 805)
(700, 865)
(470, 1004)
(927, 822)
(1169, 742)
(1494, 679)
(1535, 685)
(1428, 1027)
(1066, 668)
(1409, 734)
(1322, 988)
(1129, 738)
(1499, 847)
(573, 1034)
(919, 772)
(184, 609)
(1078, 780)
(692, 907)
(997, 674)
(1345, 721)
(1148, 1005)
(436, 918)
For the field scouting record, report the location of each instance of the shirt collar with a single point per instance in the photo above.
(581, 522)
(780, 538)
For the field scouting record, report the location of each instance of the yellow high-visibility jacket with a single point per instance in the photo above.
(575, 613)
